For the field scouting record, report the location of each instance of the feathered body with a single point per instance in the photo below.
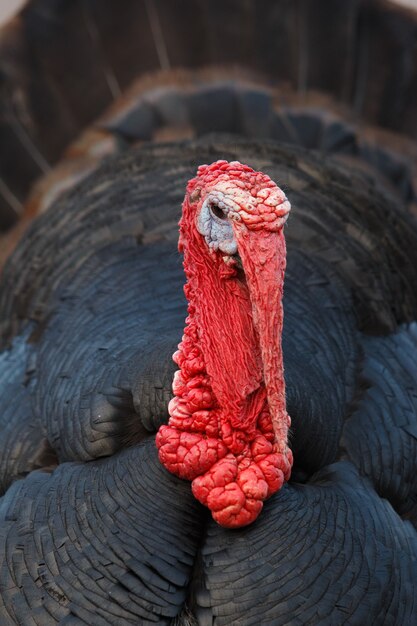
(93, 528)
(89, 369)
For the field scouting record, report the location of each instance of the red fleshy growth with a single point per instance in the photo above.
(188, 454)
(228, 422)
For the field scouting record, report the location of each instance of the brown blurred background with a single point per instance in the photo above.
(9, 7)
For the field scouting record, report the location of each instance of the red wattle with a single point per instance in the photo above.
(227, 431)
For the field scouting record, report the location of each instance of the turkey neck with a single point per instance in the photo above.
(238, 319)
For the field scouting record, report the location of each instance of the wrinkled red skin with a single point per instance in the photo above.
(228, 425)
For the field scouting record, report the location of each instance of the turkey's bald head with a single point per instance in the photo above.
(232, 196)
(228, 422)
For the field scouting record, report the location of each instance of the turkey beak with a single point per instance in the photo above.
(263, 259)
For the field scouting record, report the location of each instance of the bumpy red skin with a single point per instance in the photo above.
(228, 425)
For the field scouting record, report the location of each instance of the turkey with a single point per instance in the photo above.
(93, 528)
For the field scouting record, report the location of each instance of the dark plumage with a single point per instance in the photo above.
(93, 529)
(92, 307)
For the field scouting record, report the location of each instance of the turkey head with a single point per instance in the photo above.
(228, 425)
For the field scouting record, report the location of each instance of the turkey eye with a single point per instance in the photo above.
(217, 212)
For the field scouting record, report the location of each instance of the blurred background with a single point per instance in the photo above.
(84, 79)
